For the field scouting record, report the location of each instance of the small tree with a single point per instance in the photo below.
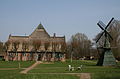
(54, 45)
(68, 50)
(73, 46)
(25, 47)
(36, 45)
(63, 49)
(6, 47)
(63, 46)
(15, 47)
(46, 45)
(1, 47)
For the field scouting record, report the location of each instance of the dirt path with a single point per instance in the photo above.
(85, 76)
(31, 67)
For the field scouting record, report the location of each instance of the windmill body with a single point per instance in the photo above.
(107, 58)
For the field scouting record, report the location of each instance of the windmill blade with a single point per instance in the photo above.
(109, 23)
(100, 26)
(100, 36)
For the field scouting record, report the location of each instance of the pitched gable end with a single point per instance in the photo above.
(39, 32)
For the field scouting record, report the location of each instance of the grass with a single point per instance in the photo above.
(97, 72)
(62, 67)
(15, 64)
(75, 63)
(105, 75)
(14, 74)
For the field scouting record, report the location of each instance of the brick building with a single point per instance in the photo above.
(39, 46)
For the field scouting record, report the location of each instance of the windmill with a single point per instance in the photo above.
(106, 58)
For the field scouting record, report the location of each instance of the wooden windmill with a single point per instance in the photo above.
(106, 58)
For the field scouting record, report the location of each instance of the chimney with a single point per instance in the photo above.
(9, 35)
(54, 35)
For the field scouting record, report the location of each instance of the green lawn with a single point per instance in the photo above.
(15, 64)
(97, 72)
(42, 70)
(60, 67)
(14, 74)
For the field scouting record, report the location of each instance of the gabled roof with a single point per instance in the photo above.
(39, 32)
(40, 26)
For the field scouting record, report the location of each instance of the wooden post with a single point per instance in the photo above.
(71, 56)
(19, 65)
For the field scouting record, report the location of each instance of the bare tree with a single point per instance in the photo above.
(68, 49)
(25, 47)
(6, 47)
(36, 45)
(15, 47)
(80, 45)
(63, 46)
(115, 43)
(1, 50)
(99, 44)
(1, 47)
(54, 49)
(54, 44)
(46, 45)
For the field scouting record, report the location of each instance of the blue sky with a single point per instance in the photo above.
(63, 17)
